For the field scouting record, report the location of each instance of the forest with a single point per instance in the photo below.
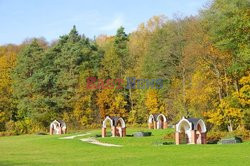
(203, 62)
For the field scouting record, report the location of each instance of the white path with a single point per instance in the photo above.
(94, 141)
(72, 137)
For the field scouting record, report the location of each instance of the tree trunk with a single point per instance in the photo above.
(184, 91)
(226, 81)
(131, 101)
(219, 93)
(236, 85)
(230, 127)
(218, 76)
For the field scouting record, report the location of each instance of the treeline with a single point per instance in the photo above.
(203, 62)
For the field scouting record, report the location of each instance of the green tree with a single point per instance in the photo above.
(228, 29)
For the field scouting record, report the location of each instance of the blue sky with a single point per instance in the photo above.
(53, 18)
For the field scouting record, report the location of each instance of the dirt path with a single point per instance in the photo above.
(72, 137)
(96, 142)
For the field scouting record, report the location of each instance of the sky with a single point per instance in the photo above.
(22, 19)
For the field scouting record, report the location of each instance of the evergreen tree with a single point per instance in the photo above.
(28, 62)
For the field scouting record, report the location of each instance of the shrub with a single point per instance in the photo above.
(169, 136)
(242, 133)
(7, 133)
(214, 136)
(25, 126)
(10, 126)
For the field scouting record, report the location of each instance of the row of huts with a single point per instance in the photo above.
(188, 130)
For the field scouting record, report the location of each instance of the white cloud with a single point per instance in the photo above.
(114, 25)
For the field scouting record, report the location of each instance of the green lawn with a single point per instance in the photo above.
(49, 150)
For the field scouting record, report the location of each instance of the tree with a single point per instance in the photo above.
(74, 59)
(139, 44)
(7, 103)
(243, 97)
(28, 62)
(152, 102)
(47, 83)
(115, 61)
(111, 63)
(202, 93)
(228, 30)
(226, 115)
(111, 103)
(121, 49)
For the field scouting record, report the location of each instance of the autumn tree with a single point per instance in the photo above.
(152, 102)
(138, 45)
(7, 103)
(226, 115)
(243, 98)
(111, 103)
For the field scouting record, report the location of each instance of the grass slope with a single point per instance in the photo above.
(49, 150)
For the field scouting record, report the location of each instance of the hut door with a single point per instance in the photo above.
(198, 134)
(161, 120)
(183, 136)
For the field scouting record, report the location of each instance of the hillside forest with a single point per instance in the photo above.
(202, 61)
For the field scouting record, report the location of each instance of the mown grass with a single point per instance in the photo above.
(49, 150)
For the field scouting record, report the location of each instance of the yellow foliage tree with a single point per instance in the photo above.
(7, 62)
(82, 113)
(244, 92)
(225, 114)
(152, 101)
(104, 101)
(202, 93)
(111, 103)
(243, 96)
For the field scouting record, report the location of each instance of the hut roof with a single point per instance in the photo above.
(194, 121)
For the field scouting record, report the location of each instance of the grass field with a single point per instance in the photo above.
(49, 150)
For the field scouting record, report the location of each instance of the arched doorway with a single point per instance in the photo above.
(118, 126)
(190, 131)
(151, 122)
(161, 121)
(107, 122)
(157, 121)
(200, 132)
(184, 131)
(58, 127)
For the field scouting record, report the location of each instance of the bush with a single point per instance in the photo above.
(214, 136)
(168, 143)
(10, 126)
(93, 126)
(242, 133)
(7, 133)
(25, 126)
(169, 136)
